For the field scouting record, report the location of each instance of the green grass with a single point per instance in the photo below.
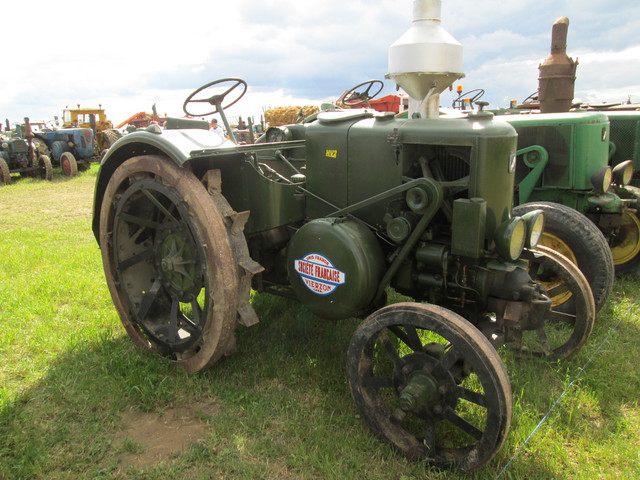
(74, 390)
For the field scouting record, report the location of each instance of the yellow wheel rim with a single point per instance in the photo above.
(627, 245)
(560, 246)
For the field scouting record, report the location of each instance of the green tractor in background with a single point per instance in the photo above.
(564, 165)
(624, 121)
(563, 159)
(18, 155)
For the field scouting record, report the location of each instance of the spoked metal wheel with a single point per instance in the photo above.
(169, 262)
(427, 381)
(570, 233)
(556, 334)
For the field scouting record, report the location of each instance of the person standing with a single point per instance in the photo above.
(213, 126)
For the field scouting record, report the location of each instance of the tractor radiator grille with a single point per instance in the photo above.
(450, 164)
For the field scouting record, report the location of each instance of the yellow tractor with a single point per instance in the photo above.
(96, 119)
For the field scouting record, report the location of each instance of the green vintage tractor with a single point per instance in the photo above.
(18, 155)
(563, 169)
(334, 213)
(564, 158)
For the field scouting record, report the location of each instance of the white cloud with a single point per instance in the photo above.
(128, 55)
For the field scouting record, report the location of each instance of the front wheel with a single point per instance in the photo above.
(427, 381)
(68, 164)
(169, 262)
(556, 333)
(570, 233)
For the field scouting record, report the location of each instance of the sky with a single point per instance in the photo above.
(129, 55)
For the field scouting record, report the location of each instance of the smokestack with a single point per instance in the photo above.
(557, 78)
(426, 59)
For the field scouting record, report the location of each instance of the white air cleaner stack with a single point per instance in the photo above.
(426, 59)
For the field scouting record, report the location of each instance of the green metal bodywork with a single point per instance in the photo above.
(417, 186)
(625, 139)
(557, 155)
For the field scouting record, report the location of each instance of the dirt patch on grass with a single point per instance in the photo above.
(150, 437)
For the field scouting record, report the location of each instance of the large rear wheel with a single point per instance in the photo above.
(427, 381)
(169, 262)
(570, 233)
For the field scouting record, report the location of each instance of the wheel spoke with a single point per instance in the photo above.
(544, 340)
(377, 382)
(409, 337)
(392, 352)
(143, 222)
(463, 424)
(173, 320)
(472, 396)
(561, 317)
(160, 207)
(197, 314)
(430, 437)
(446, 363)
(134, 259)
(148, 299)
(558, 290)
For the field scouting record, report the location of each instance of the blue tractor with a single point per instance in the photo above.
(70, 148)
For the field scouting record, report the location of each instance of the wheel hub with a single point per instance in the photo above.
(626, 245)
(419, 390)
(176, 260)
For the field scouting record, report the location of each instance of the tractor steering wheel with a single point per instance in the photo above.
(478, 93)
(216, 99)
(352, 98)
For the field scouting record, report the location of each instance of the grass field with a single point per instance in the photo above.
(78, 400)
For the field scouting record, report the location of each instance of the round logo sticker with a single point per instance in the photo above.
(318, 273)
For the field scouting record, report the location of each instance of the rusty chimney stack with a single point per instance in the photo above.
(557, 72)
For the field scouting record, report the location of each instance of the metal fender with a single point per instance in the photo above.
(176, 145)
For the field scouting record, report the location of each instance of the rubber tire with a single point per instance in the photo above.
(45, 168)
(110, 137)
(588, 247)
(68, 164)
(5, 173)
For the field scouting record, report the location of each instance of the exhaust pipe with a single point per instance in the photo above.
(556, 81)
